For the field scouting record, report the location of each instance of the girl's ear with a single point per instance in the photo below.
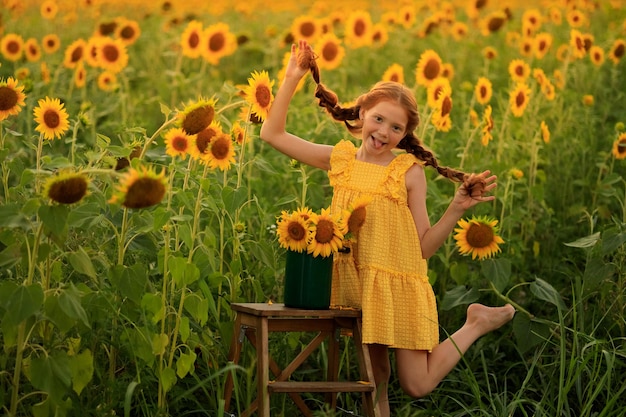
(361, 113)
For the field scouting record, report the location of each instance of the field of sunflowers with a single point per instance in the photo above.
(138, 202)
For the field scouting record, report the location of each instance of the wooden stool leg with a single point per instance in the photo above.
(333, 367)
(233, 356)
(262, 367)
(365, 369)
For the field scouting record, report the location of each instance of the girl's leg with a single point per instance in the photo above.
(420, 372)
(379, 355)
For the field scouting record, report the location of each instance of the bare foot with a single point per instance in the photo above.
(487, 319)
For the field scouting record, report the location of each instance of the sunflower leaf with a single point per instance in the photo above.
(498, 271)
(460, 295)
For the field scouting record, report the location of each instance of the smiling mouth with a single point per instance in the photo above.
(377, 143)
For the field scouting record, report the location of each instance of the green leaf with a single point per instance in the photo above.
(54, 219)
(459, 272)
(159, 343)
(11, 217)
(185, 363)
(167, 379)
(25, 301)
(611, 240)
(585, 242)
(70, 303)
(81, 367)
(458, 296)
(81, 262)
(51, 373)
(529, 333)
(234, 199)
(498, 272)
(56, 315)
(546, 292)
(183, 272)
(130, 281)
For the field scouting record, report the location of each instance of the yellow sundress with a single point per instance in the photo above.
(384, 273)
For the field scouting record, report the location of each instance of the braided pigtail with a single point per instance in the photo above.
(326, 97)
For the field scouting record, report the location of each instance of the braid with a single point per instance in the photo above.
(412, 145)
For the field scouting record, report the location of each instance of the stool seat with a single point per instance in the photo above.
(255, 321)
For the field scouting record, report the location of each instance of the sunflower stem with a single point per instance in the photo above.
(508, 300)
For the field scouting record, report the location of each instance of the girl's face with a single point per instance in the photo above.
(384, 125)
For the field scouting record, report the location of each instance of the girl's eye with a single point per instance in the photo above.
(397, 128)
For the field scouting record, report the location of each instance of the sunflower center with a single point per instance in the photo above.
(111, 53)
(198, 119)
(8, 98)
(193, 40)
(220, 148)
(77, 54)
(107, 28)
(296, 231)
(359, 28)
(621, 147)
(144, 192)
(127, 33)
(356, 220)
(431, 69)
(483, 91)
(520, 98)
(325, 231)
(495, 24)
(217, 42)
(68, 190)
(619, 51)
(480, 235)
(51, 119)
(330, 51)
(13, 47)
(446, 106)
(263, 96)
(179, 143)
(307, 29)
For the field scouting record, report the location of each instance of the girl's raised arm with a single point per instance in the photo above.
(273, 128)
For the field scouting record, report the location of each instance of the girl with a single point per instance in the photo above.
(385, 272)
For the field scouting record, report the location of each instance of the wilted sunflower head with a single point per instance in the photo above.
(357, 214)
(140, 188)
(197, 116)
(66, 187)
(478, 237)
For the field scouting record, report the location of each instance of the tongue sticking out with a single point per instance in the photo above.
(377, 144)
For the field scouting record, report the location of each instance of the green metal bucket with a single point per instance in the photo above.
(308, 281)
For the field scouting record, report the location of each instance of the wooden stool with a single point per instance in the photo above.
(257, 320)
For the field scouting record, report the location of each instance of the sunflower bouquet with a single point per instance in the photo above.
(321, 234)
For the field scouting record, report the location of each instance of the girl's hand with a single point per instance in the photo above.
(300, 61)
(475, 189)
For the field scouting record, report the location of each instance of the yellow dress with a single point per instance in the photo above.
(384, 273)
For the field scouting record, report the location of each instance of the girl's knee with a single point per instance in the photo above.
(416, 388)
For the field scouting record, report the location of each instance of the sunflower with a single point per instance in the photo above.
(358, 29)
(45, 72)
(519, 70)
(559, 78)
(436, 87)
(459, 31)
(331, 52)
(588, 100)
(177, 143)
(74, 53)
(49, 9)
(128, 31)
(395, 72)
(478, 237)
(52, 118)
(11, 98)
(12, 46)
(66, 187)
(493, 22)
(307, 28)
(619, 147)
(32, 50)
(51, 43)
(221, 152)
(442, 108)
(356, 214)
(294, 230)
(516, 173)
(80, 75)
(140, 188)
(107, 81)
(259, 93)
(616, 53)
(483, 90)
(532, 20)
(428, 67)
(197, 116)
(191, 40)
(596, 55)
(555, 15)
(518, 99)
(489, 52)
(545, 132)
(218, 43)
(239, 133)
(327, 235)
(548, 90)
(539, 75)
(577, 44)
(407, 16)
(380, 34)
(201, 145)
(575, 18)
(541, 44)
(111, 54)
(487, 126)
